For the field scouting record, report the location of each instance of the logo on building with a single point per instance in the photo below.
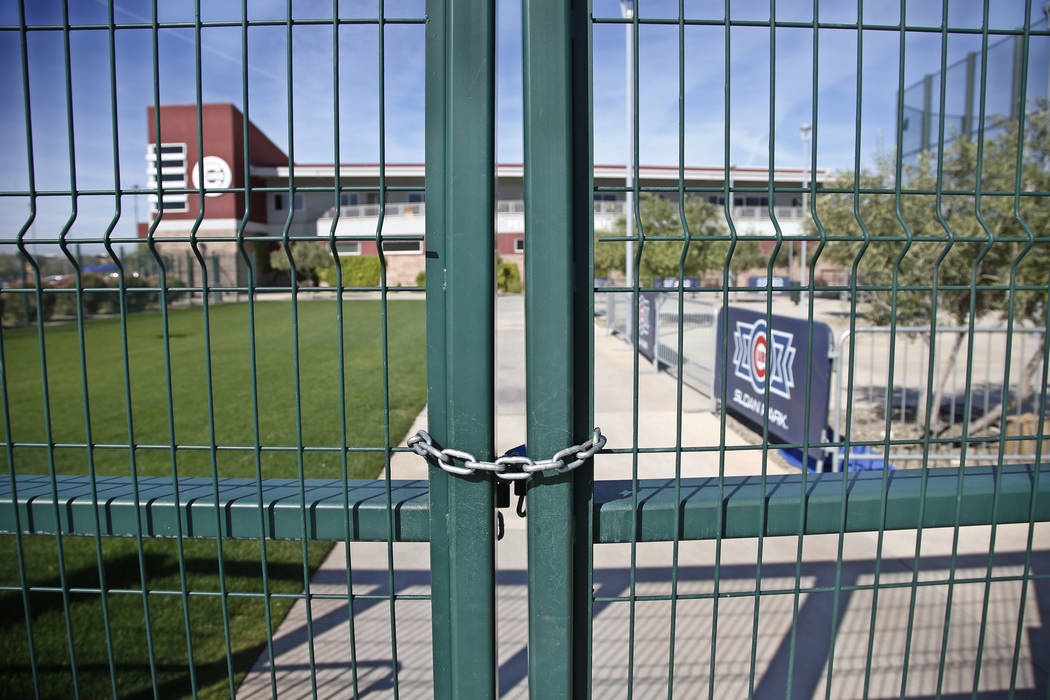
(755, 361)
(217, 175)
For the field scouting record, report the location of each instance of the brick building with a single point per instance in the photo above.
(311, 211)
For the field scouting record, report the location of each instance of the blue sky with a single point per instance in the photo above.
(312, 92)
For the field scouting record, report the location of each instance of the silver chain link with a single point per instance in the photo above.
(508, 466)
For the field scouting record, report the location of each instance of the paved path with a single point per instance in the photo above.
(736, 615)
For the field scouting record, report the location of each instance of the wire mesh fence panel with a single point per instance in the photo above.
(207, 370)
(247, 357)
(989, 396)
(843, 524)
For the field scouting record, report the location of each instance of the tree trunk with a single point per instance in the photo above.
(930, 426)
(982, 423)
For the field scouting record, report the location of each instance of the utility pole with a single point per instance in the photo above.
(627, 9)
(804, 262)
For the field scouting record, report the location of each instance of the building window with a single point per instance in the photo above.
(415, 197)
(349, 199)
(402, 247)
(280, 201)
(171, 171)
(519, 245)
(349, 248)
(605, 197)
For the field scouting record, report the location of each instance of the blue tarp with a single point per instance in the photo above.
(862, 459)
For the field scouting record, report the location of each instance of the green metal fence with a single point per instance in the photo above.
(174, 475)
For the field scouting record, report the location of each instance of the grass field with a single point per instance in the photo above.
(234, 425)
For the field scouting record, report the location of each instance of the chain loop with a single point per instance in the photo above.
(508, 467)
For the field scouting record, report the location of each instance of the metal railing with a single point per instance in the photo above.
(517, 206)
(760, 212)
(696, 324)
(873, 395)
(352, 211)
(900, 401)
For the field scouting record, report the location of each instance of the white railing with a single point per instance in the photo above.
(763, 212)
(601, 207)
(510, 206)
(352, 211)
(517, 206)
(698, 335)
(903, 396)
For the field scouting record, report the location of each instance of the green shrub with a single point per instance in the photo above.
(138, 301)
(358, 271)
(96, 302)
(171, 281)
(312, 260)
(421, 279)
(62, 305)
(507, 277)
(15, 310)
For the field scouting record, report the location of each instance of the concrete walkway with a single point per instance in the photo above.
(736, 616)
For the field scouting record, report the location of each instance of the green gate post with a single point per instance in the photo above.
(558, 339)
(460, 243)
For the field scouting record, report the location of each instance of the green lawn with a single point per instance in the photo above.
(234, 425)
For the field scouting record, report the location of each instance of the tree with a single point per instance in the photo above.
(11, 267)
(140, 260)
(310, 259)
(661, 217)
(922, 243)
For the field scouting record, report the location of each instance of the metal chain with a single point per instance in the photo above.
(509, 467)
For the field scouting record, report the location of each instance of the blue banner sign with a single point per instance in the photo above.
(776, 359)
(647, 302)
(776, 281)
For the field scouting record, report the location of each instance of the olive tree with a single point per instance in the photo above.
(921, 236)
(310, 258)
(661, 258)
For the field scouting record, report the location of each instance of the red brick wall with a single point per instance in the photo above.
(223, 136)
(505, 242)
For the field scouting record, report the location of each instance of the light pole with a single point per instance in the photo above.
(804, 130)
(135, 201)
(627, 9)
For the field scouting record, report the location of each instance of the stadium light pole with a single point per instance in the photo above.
(135, 201)
(627, 9)
(804, 131)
